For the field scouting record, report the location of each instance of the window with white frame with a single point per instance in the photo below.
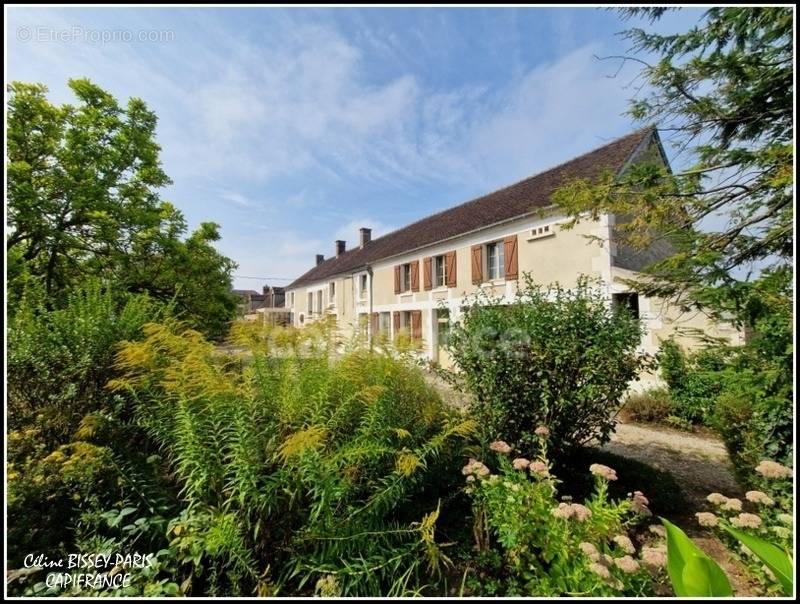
(310, 303)
(363, 285)
(495, 260)
(439, 271)
(542, 231)
(332, 293)
(291, 299)
(405, 277)
(385, 322)
(319, 301)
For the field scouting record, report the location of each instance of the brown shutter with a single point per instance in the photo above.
(397, 279)
(415, 276)
(396, 321)
(416, 324)
(427, 283)
(477, 263)
(376, 323)
(450, 268)
(510, 257)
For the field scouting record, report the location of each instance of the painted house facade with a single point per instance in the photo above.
(416, 278)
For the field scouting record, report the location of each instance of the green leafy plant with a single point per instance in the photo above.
(59, 359)
(692, 573)
(775, 559)
(694, 380)
(552, 356)
(745, 393)
(67, 443)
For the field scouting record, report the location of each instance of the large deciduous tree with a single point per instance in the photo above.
(84, 184)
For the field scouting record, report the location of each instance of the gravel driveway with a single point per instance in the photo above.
(698, 462)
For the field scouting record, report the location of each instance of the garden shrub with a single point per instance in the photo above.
(753, 423)
(556, 357)
(61, 354)
(694, 380)
(545, 547)
(299, 471)
(755, 412)
(654, 405)
(66, 439)
(745, 393)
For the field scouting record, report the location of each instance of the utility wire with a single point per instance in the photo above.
(262, 278)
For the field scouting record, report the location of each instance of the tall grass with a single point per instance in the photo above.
(300, 470)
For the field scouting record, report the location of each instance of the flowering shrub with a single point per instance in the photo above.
(547, 547)
(520, 361)
(296, 467)
(759, 529)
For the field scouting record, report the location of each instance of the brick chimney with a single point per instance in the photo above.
(340, 245)
(366, 235)
(320, 259)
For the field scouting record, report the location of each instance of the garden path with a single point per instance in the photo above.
(700, 464)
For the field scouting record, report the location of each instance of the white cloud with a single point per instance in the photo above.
(300, 106)
(237, 199)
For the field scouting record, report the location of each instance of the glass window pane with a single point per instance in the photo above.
(491, 260)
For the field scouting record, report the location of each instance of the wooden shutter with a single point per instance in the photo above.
(396, 322)
(510, 255)
(450, 268)
(397, 279)
(416, 324)
(415, 276)
(477, 263)
(376, 324)
(427, 282)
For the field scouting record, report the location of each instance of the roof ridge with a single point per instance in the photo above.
(513, 184)
(477, 201)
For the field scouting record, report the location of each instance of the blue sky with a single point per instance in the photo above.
(294, 127)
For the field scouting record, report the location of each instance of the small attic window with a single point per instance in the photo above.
(541, 232)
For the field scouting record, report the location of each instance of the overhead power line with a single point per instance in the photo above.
(263, 278)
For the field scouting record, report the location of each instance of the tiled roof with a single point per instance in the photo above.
(513, 201)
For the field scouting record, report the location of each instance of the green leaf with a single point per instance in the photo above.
(772, 556)
(692, 572)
